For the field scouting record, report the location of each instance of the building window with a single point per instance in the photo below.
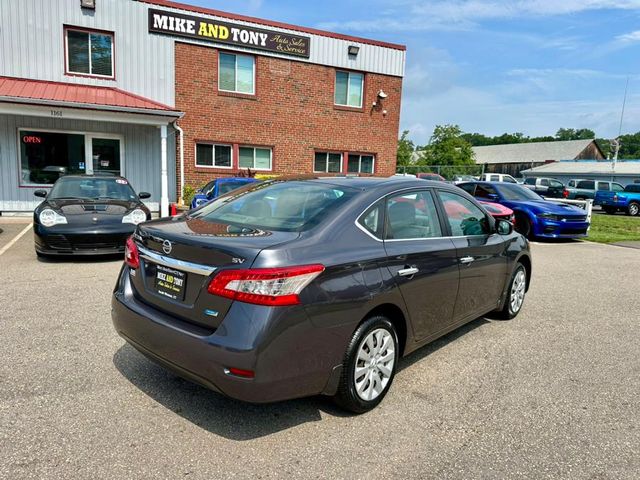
(255, 158)
(349, 87)
(360, 163)
(327, 162)
(46, 156)
(89, 53)
(213, 156)
(236, 73)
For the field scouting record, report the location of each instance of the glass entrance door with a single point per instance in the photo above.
(106, 155)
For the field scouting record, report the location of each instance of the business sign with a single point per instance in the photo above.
(32, 139)
(211, 30)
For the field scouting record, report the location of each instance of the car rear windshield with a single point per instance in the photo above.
(517, 192)
(93, 189)
(278, 205)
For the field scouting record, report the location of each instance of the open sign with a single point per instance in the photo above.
(32, 139)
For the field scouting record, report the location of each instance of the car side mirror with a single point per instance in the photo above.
(40, 193)
(504, 227)
(143, 195)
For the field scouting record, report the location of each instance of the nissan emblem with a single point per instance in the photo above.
(166, 247)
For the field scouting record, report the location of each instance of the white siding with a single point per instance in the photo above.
(32, 45)
(141, 156)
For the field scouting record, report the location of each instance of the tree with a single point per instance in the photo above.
(573, 134)
(405, 150)
(448, 147)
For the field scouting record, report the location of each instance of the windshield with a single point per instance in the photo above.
(93, 189)
(281, 206)
(517, 192)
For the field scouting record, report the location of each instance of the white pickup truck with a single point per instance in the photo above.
(497, 177)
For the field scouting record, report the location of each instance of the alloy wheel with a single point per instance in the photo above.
(374, 364)
(518, 288)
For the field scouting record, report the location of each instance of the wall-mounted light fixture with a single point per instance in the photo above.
(353, 50)
(88, 4)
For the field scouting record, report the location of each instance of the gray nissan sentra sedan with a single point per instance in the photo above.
(307, 286)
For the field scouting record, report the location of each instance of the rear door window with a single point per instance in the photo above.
(494, 178)
(587, 184)
(412, 215)
(530, 181)
(468, 187)
(544, 182)
(372, 220)
(603, 186)
(484, 191)
(464, 217)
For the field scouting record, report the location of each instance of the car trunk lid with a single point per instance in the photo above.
(180, 256)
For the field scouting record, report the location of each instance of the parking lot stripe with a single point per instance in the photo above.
(15, 239)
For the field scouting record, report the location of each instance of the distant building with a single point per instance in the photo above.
(625, 171)
(516, 157)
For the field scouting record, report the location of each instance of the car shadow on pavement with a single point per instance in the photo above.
(231, 419)
(422, 352)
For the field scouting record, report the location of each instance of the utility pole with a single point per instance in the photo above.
(615, 143)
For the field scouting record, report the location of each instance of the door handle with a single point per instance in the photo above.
(466, 260)
(407, 272)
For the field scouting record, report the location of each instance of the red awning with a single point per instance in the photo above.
(79, 96)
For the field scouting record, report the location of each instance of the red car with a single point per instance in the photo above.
(498, 211)
(431, 176)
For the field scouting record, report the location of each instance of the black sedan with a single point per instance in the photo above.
(87, 215)
(292, 288)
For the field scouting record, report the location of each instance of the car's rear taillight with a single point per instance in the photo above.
(615, 197)
(565, 193)
(131, 255)
(265, 286)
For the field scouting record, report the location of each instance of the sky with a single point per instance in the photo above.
(493, 66)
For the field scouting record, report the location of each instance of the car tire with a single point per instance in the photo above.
(515, 294)
(523, 225)
(609, 210)
(633, 209)
(361, 372)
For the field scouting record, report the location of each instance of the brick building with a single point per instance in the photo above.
(149, 89)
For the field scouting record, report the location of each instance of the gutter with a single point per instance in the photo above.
(181, 135)
(90, 106)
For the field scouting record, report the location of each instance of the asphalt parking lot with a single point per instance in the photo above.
(554, 393)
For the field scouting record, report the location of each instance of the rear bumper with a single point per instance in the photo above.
(277, 347)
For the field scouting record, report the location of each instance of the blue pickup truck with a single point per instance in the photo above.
(626, 201)
(218, 187)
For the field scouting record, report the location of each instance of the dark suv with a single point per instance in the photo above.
(286, 289)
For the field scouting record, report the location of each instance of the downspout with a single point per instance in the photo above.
(181, 135)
